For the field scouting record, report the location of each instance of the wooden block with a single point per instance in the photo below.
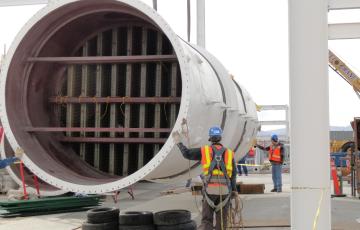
(251, 188)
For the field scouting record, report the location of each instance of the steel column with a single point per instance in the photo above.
(113, 163)
(70, 92)
(84, 93)
(309, 115)
(155, 4)
(125, 167)
(98, 108)
(173, 86)
(142, 110)
(200, 9)
(158, 85)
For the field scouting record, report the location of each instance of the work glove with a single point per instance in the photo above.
(176, 137)
(19, 152)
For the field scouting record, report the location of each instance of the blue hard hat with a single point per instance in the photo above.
(215, 131)
(274, 137)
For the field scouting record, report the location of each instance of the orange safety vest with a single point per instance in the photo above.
(275, 154)
(206, 159)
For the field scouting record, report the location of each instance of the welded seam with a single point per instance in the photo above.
(242, 95)
(241, 138)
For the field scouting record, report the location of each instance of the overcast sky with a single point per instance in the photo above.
(250, 37)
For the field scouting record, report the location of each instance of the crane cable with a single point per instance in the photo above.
(185, 132)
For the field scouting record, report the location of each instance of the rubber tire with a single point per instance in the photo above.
(186, 226)
(172, 217)
(142, 227)
(100, 226)
(102, 215)
(136, 218)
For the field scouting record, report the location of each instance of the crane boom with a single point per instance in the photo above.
(345, 72)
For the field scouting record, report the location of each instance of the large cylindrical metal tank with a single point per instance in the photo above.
(92, 90)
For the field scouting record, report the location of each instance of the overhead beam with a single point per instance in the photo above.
(274, 122)
(121, 100)
(93, 129)
(344, 4)
(344, 31)
(127, 140)
(104, 59)
(273, 107)
(22, 2)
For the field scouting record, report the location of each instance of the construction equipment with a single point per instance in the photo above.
(345, 72)
(353, 79)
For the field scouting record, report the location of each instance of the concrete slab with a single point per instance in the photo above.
(260, 211)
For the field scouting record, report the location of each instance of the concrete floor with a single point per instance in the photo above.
(258, 210)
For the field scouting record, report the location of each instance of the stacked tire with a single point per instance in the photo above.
(136, 221)
(102, 219)
(174, 220)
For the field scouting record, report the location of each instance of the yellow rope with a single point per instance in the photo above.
(121, 109)
(317, 214)
(106, 108)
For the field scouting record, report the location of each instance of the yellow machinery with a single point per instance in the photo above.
(353, 79)
(345, 72)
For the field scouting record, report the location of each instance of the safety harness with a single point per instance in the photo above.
(217, 163)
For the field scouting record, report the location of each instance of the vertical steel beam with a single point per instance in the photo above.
(99, 82)
(158, 85)
(70, 93)
(125, 168)
(309, 115)
(155, 4)
(84, 93)
(142, 110)
(173, 93)
(113, 164)
(188, 20)
(200, 12)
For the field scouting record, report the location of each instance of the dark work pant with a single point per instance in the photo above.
(276, 176)
(243, 166)
(208, 214)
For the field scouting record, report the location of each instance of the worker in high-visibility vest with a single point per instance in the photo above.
(219, 177)
(276, 158)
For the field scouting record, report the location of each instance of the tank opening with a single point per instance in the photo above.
(111, 97)
(116, 117)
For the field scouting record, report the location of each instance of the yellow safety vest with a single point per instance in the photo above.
(206, 159)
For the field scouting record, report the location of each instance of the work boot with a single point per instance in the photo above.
(273, 190)
(279, 190)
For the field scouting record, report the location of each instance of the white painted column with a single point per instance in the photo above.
(200, 28)
(309, 115)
